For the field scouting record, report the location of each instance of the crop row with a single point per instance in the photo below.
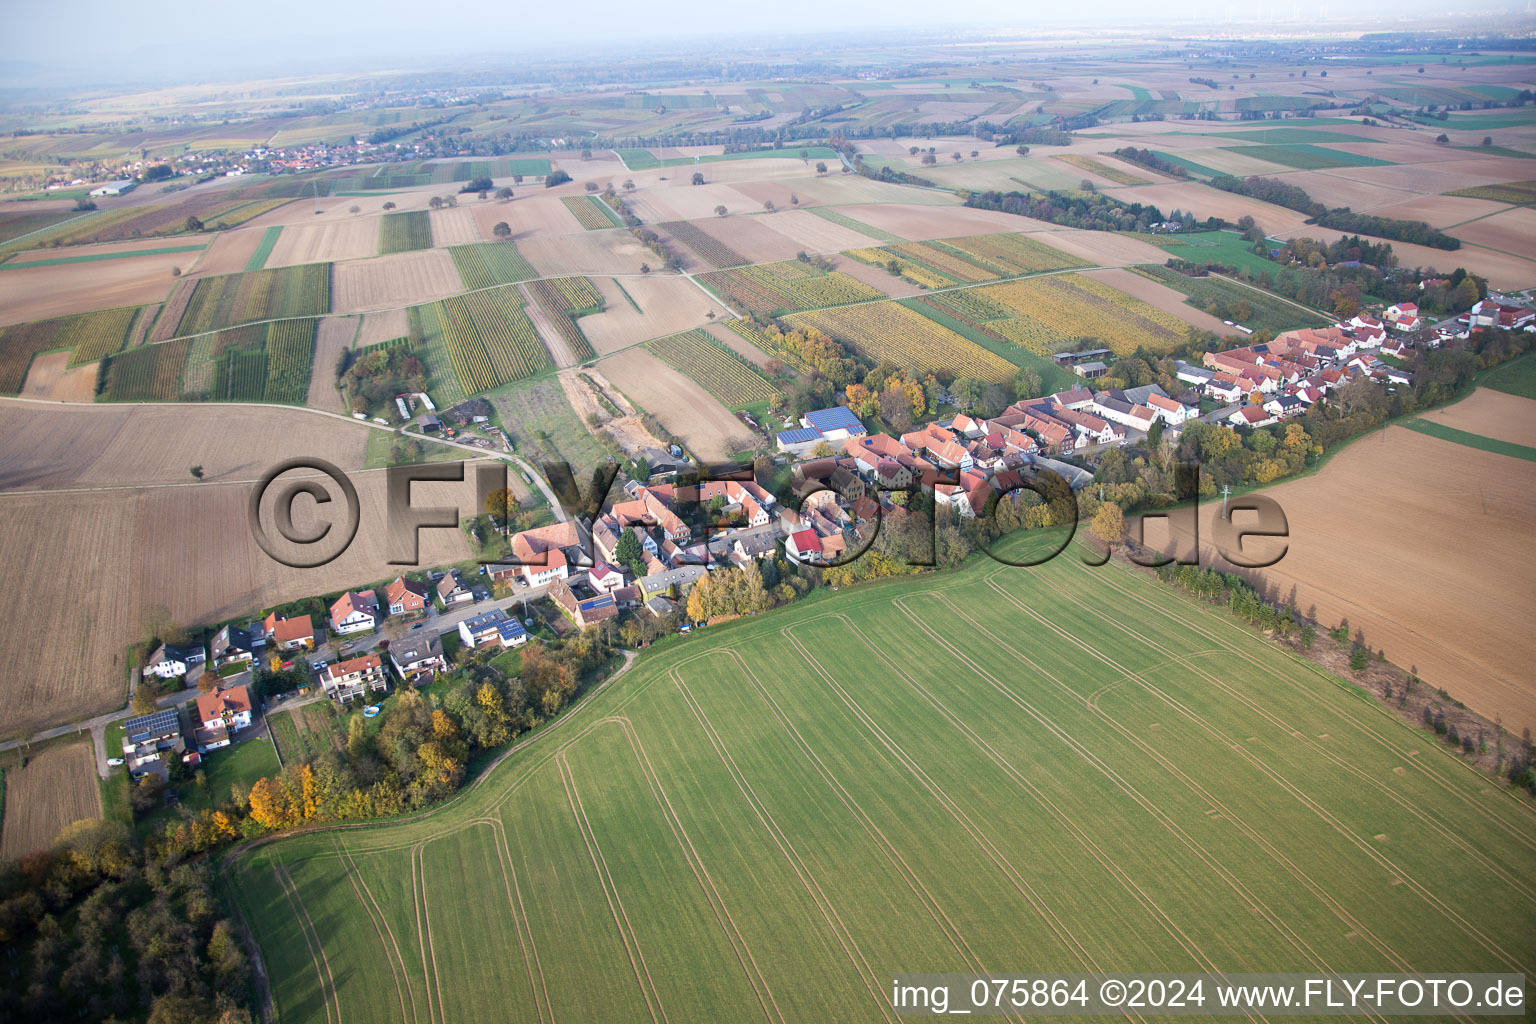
(716, 369)
(231, 299)
(1103, 170)
(90, 335)
(147, 373)
(1049, 310)
(914, 272)
(709, 248)
(590, 212)
(403, 232)
(564, 299)
(891, 331)
(490, 339)
(487, 264)
(1011, 253)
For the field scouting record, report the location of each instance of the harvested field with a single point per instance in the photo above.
(400, 279)
(382, 326)
(1103, 248)
(454, 226)
(1437, 178)
(1438, 211)
(921, 223)
(58, 787)
(755, 236)
(878, 278)
(113, 446)
(846, 189)
(332, 338)
(588, 253)
(351, 239)
(1159, 295)
(705, 426)
(1513, 232)
(1451, 604)
(816, 234)
(43, 292)
(1333, 189)
(82, 540)
(50, 377)
(530, 214)
(1490, 413)
(229, 253)
(685, 202)
(668, 304)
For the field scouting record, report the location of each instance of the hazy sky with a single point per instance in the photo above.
(164, 39)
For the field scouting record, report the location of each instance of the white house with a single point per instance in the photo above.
(355, 612)
(220, 714)
(172, 660)
(803, 546)
(1169, 411)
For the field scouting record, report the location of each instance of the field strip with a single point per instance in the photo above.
(520, 919)
(1471, 440)
(1278, 923)
(1449, 835)
(961, 818)
(1351, 722)
(874, 983)
(1322, 813)
(727, 924)
(316, 951)
(424, 930)
(379, 926)
(1065, 820)
(886, 847)
(1317, 809)
(611, 893)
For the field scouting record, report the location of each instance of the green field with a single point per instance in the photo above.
(543, 427)
(1487, 121)
(1516, 377)
(1307, 157)
(264, 248)
(638, 159)
(1056, 769)
(97, 257)
(252, 295)
(1471, 440)
(487, 264)
(1220, 246)
(1288, 135)
(1188, 165)
(404, 232)
(1223, 299)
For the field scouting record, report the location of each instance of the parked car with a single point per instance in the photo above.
(114, 761)
(417, 625)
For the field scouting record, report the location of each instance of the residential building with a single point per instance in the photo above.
(172, 660)
(548, 552)
(349, 680)
(451, 590)
(604, 578)
(149, 740)
(511, 634)
(355, 612)
(671, 581)
(837, 423)
(805, 545)
(418, 656)
(290, 634)
(220, 715)
(235, 644)
(406, 597)
(479, 630)
(584, 610)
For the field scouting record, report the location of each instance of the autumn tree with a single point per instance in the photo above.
(1108, 524)
(207, 682)
(500, 504)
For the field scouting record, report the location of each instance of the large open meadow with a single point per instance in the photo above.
(997, 768)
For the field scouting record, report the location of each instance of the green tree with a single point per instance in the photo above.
(698, 178)
(502, 230)
(629, 552)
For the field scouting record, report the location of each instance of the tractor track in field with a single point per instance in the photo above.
(611, 892)
(807, 880)
(717, 902)
(520, 919)
(316, 950)
(375, 917)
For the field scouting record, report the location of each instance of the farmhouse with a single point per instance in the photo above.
(114, 188)
(418, 657)
(349, 680)
(355, 612)
(671, 582)
(221, 714)
(837, 423)
(406, 597)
